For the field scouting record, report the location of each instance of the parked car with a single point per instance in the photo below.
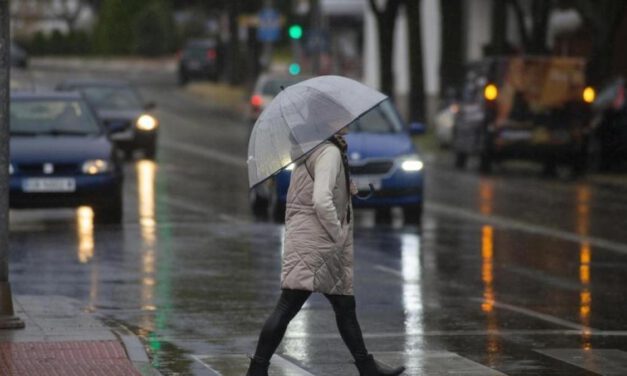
(267, 87)
(199, 59)
(19, 57)
(123, 111)
(530, 108)
(381, 153)
(61, 156)
(607, 147)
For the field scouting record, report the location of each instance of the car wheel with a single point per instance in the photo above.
(183, 79)
(383, 215)
(111, 213)
(413, 214)
(150, 151)
(276, 208)
(461, 159)
(258, 204)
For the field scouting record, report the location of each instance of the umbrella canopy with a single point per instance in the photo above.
(301, 117)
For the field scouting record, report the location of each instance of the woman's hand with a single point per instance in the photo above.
(354, 189)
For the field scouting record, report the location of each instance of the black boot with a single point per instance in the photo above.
(370, 367)
(258, 367)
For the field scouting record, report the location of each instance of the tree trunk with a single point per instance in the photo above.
(233, 71)
(498, 41)
(452, 55)
(386, 21)
(416, 103)
(540, 13)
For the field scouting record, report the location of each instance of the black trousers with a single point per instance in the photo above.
(288, 306)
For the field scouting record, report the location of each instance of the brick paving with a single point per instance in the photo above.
(73, 358)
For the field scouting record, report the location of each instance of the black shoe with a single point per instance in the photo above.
(370, 367)
(258, 367)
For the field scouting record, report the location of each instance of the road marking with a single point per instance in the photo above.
(607, 362)
(237, 365)
(501, 221)
(435, 363)
(539, 316)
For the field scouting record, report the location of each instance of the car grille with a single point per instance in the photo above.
(372, 168)
(58, 169)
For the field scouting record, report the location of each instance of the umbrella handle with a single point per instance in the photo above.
(368, 195)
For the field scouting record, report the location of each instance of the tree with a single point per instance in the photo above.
(604, 18)
(386, 21)
(452, 54)
(533, 38)
(153, 30)
(416, 79)
(113, 33)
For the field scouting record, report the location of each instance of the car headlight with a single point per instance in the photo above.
(146, 123)
(11, 169)
(412, 164)
(96, 166)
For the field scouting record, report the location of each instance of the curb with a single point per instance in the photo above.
(135, 350)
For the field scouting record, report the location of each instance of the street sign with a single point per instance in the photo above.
(269, 25)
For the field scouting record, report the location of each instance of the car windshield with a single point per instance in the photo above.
(381, 119)
(113, 97)
(197, 51)
(51, 116)
(272, 87)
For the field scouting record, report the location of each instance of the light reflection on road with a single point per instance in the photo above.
(585, 257)
(412, 295)
(146, 201)
(85, 232)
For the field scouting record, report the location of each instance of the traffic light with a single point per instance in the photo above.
(295, 31)
(294, 69)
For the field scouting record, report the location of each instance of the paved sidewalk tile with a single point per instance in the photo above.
(65, 358)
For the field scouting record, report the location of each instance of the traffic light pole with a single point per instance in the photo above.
(8, 320)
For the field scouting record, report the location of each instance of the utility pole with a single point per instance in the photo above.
(8, 320)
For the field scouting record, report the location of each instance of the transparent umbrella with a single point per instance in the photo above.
(301, 117)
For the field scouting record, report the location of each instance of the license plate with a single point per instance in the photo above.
(49, 185)
(194, 64)
(363, 183)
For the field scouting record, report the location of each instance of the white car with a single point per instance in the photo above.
(267, 87)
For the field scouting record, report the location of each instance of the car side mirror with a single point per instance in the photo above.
(150, 106)
(417, 128)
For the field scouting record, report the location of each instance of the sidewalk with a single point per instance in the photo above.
(60, 339)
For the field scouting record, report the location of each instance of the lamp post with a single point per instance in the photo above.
(8, 320)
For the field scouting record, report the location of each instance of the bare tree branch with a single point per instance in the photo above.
(373, 5)
(520, 18)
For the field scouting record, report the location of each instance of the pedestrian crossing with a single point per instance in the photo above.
(604, 362)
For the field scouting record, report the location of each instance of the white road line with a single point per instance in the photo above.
(198, 357)
(539, 316)
(501, 221)
(287, 365)
(435, 363)
(277, 361)
(607, 362)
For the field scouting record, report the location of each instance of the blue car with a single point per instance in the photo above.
(381, 153)
(62, 157)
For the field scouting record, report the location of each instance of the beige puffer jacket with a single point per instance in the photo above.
(318, 246)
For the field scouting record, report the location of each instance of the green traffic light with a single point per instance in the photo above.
(294, 69)
(295, 31)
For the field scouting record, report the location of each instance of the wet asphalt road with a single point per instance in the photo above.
(510, 275)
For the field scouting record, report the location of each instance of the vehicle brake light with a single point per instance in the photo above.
(211, 54)
(491, 92)
(256, 101)
(588, 94)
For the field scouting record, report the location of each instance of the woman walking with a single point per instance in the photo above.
(318, 255)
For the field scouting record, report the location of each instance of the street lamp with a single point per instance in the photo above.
(7, 318)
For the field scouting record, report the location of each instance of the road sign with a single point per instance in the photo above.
(269, 25)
